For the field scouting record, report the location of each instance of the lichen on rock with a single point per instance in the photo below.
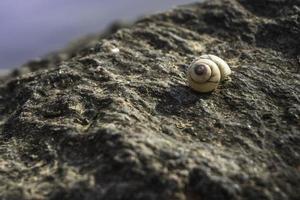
(106, 124)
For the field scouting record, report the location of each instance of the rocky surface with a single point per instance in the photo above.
(118, 122)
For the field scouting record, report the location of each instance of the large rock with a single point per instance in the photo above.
(118, 122)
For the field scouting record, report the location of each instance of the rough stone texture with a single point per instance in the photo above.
(123, 125)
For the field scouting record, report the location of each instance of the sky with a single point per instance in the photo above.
(32, 28)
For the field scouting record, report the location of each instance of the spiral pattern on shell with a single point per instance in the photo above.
(206, 72)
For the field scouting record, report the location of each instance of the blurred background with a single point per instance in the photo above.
(33, 28)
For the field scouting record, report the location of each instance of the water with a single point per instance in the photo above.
(33, 28)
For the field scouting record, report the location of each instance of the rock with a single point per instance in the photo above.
(122, 124)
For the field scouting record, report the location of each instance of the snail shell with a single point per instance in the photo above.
(206, 72)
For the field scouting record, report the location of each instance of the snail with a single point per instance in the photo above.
(206, 72)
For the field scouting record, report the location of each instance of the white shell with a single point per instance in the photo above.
(223, 66)
(216, 70)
